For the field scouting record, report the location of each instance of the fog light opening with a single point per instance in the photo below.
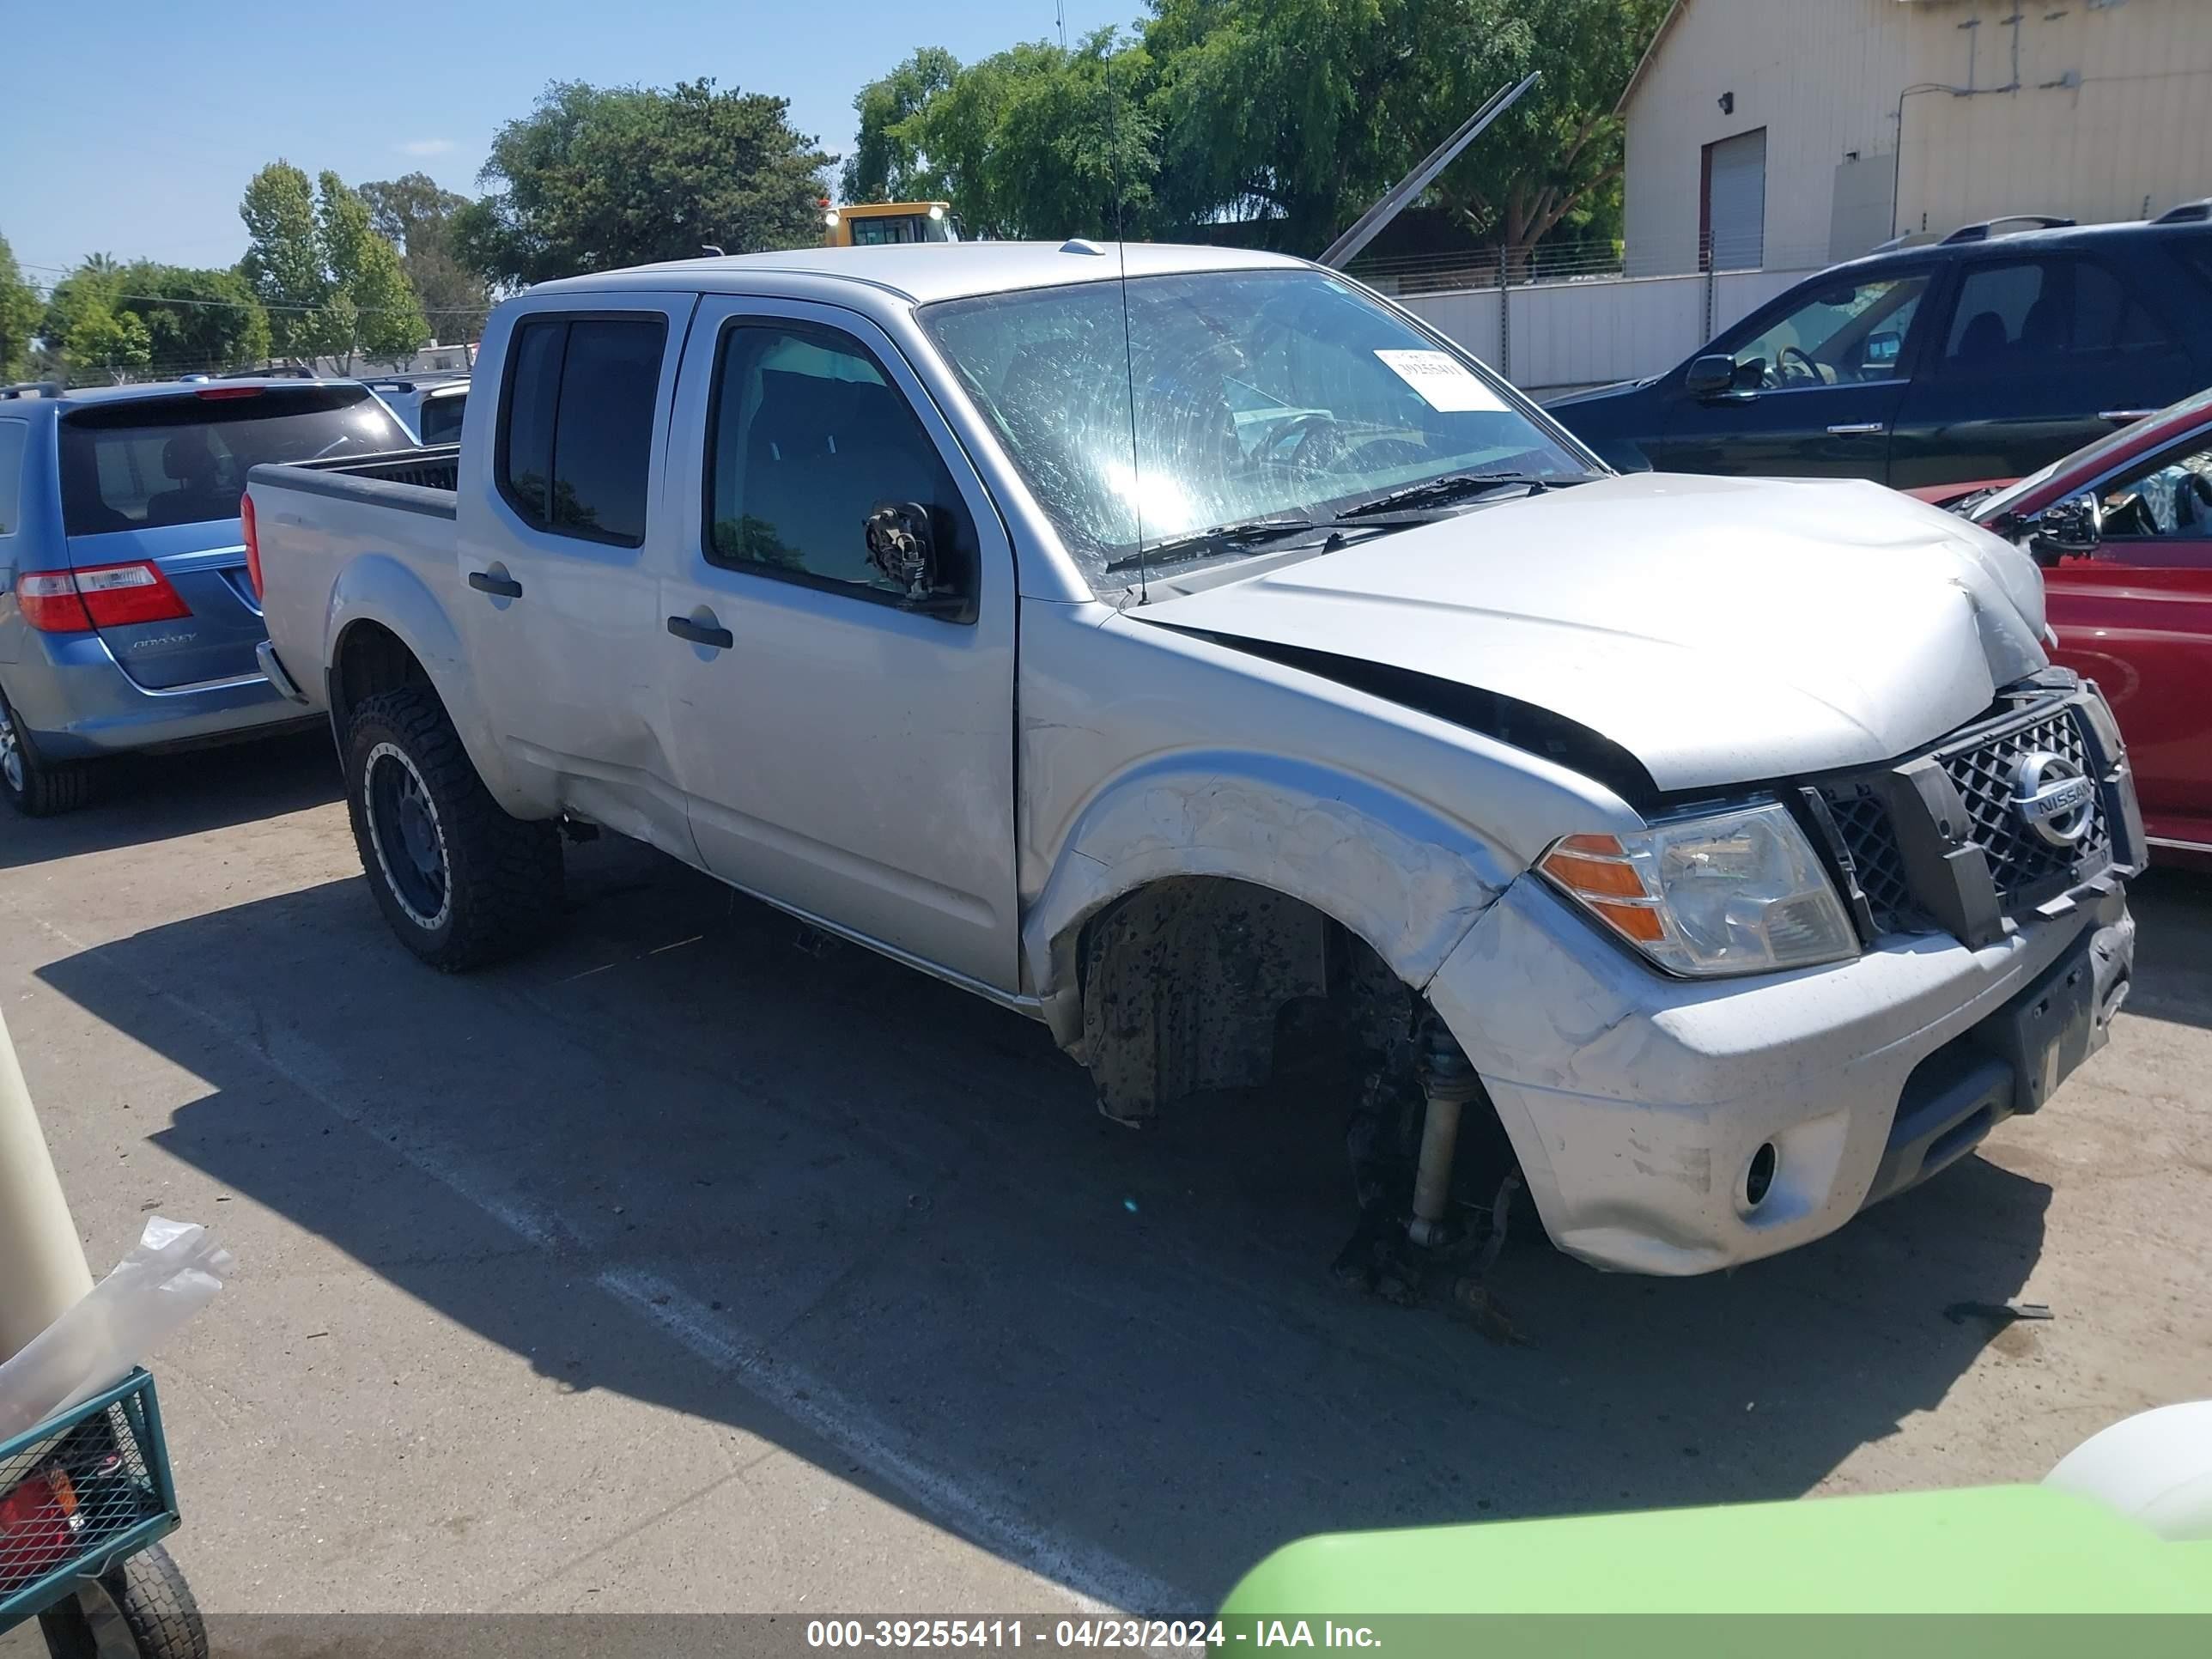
(1759, 1175)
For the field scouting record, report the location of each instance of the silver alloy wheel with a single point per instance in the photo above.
(11, 754)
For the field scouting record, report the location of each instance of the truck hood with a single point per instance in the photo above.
(1721, 630)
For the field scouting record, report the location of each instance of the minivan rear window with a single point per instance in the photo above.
(142, 462)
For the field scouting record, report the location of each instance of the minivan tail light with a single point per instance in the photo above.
(49, 602)
(124, 595)
(98, 596)
(253, 544)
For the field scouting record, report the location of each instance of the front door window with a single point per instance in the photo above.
(2169, 502)
(1851, 334)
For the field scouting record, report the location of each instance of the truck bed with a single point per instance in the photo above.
(316, 520)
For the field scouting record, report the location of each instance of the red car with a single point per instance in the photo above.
(2123, 531)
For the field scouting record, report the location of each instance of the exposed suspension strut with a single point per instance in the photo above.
(1448, 1082)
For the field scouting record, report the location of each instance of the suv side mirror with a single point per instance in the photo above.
(2075, 524)
(1713, 372)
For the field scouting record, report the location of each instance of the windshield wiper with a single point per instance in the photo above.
(1222, 539)
(1456, 486)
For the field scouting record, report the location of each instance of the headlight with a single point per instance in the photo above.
(1736, 892)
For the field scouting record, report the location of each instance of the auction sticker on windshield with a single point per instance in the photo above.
(1441, 380)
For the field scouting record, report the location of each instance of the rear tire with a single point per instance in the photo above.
(35, 787)
(143, 1606)
(462, 884)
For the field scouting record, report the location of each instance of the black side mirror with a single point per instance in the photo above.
(2074, 526)
(903, 546)
(1713, 372)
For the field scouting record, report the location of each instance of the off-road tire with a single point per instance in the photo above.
(148, 1595)
(502, 888)
(33, 786)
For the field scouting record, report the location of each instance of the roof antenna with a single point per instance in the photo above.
(1128, 351)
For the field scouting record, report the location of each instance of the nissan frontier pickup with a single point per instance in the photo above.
(1147, 639)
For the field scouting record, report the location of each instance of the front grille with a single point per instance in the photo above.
(2022, 864)
(1871, 839)
(2024, 869)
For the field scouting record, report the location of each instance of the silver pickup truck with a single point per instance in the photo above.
(1147, 639)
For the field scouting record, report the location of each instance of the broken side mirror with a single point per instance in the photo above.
(1713, 372)
(903, 546)
(2073, 526)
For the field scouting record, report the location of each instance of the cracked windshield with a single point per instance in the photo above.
(1262, 403)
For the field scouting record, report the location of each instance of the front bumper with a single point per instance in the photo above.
(77, 703)
(1636, 1103)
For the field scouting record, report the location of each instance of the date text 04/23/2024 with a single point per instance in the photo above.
(1138, 1635)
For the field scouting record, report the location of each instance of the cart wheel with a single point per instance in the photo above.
(142, 1608)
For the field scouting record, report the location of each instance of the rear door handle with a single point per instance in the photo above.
(702, 633)
(2123, 416)
(504, 587)
(1857, 430)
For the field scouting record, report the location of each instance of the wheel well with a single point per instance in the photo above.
(1183, 982)
(370, 658)
(1201, 982)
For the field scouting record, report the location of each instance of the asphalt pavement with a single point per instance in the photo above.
(696, 1264)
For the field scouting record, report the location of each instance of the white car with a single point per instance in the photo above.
(1145, 638)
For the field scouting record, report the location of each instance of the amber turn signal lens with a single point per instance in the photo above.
(1604, 846)
(1597, 878)
(1638, 922)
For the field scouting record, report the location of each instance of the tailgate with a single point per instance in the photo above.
(206, 563)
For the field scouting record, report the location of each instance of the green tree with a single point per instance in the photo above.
(19, 311)
(1555, 159)
(332, 286)
(1037, 141)
(885, 165)
(284, 260)
(595, 178)
(373, 308)
(188, 319)
(84, 323)
(1295, 114)
(197, 320)
(416, 215)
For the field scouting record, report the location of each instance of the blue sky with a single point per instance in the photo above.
(135, 125)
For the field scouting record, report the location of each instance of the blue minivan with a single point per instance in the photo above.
(128, 617)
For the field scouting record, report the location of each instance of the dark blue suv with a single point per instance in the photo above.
(1981, 356)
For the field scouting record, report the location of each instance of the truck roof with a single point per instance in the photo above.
(922, 272)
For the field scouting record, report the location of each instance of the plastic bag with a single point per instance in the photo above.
(174, 1272)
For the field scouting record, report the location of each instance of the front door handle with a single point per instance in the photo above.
(702, 633)
(2123, 416)
(503, 587)
(1857, 430)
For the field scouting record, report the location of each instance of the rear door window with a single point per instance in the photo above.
(2017, 318)
(14, 437)
(576, 445)
(143, 463)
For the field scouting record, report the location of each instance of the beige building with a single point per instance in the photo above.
(1790, 133)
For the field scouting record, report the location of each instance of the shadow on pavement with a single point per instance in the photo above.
(2173, 970)
(149, 798)
(884, 1183)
